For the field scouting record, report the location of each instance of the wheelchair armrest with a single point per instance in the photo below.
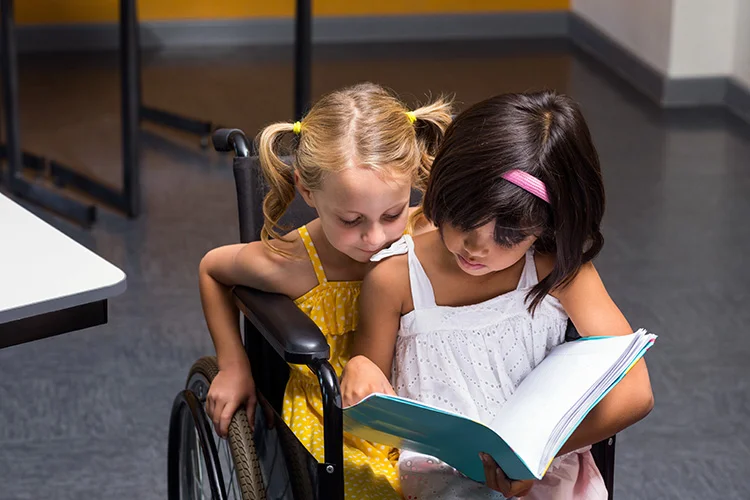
(291, 333)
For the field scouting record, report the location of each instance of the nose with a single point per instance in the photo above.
(374, 237)
(475, 247)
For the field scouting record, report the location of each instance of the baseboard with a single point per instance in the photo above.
(67, 38)
(737, 99)
(693, 92)
(509, 25)
(187, 34)
(618, 59)
(664, 91)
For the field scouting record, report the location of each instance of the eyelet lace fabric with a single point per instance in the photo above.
(469, 360)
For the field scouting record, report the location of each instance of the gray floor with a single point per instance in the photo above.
(85, 415)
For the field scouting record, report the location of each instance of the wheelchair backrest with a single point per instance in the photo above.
(251, 190)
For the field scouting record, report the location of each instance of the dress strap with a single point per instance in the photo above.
(422, 292)
(529, 277)
(313, 254)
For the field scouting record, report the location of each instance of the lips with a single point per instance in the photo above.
(468, 264)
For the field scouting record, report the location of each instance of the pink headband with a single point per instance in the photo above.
(527, 182)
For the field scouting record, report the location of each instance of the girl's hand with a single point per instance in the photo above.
(362, 377)
(232, 387)
(497, 480)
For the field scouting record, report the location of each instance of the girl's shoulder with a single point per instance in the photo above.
(281, 266)
(545, 262)
(389, 281)
(390, 267)
(391, 262)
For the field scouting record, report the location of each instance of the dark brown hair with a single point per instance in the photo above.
(545, 135)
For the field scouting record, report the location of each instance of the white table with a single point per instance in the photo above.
(49, 284)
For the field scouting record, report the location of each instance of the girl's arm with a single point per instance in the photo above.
(380, 306)
(251, 265)
(594, 313)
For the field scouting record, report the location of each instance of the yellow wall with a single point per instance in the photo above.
(97, 11)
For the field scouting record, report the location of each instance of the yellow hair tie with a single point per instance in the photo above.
(412, 116)
(297, 128)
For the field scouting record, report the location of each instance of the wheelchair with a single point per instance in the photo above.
(271, 463)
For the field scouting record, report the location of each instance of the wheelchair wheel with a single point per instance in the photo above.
(202, 465)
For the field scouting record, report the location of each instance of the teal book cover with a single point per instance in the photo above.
(528, 430)
(455, 439)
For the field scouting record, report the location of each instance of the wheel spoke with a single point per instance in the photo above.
(198, 460)
(231, 487)
(199, 486)
(232, 480)
(227, 466)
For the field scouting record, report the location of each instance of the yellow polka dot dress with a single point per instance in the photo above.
(369, 469)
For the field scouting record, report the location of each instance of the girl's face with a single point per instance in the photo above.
(476, 251)
(361, 212)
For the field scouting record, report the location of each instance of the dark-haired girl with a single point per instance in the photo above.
(460, 315)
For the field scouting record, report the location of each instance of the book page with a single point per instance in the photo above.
(573, 419)
(554, 388)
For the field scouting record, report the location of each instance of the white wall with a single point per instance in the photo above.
(641, 26)
(703, 37)
(678, 38)
(741, 70)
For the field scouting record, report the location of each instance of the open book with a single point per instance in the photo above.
(530, 428)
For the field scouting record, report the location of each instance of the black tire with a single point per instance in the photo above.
(246, 465)
(194, 470)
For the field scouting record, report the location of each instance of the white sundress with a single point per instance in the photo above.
(469, 360)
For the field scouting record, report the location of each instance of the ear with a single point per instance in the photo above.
(306, 194)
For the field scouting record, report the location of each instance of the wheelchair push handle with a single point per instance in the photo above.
(231, 139)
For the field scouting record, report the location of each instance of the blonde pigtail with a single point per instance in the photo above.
(431, 122)
(280, 179)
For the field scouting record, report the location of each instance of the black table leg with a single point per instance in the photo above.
(201, 128)
(302, 57)
(17, 184)
(130, 71)
(10, 89)
(128, 200)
